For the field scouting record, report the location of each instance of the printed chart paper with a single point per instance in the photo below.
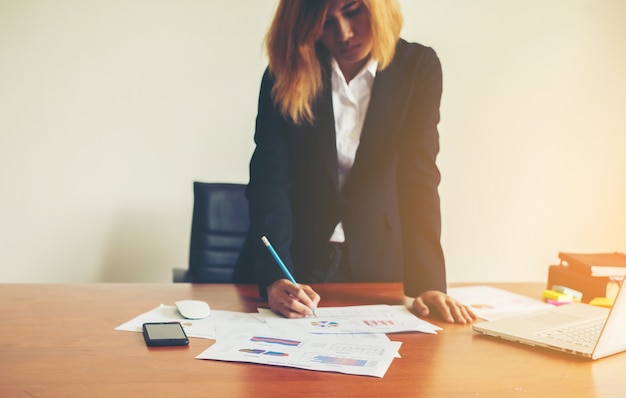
(351, 319)
(320, 353)
(491, 303)
(217, 324)
(350, 340)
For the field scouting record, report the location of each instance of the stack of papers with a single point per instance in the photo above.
(492, 303)
(349, 340)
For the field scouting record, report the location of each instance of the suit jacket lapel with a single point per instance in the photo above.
(388, 95)
(323, 130)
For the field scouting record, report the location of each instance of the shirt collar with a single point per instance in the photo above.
(369, 69)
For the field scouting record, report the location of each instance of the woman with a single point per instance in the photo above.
(343, 180)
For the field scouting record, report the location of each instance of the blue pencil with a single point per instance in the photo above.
(281, 264)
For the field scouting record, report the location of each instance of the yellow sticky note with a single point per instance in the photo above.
(557, 296)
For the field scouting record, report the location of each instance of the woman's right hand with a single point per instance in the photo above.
(291, 301)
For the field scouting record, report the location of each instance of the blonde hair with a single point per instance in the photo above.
(295, 59)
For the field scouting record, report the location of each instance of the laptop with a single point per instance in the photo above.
(579, 329)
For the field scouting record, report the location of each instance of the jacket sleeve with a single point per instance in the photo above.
(268, 191)
(418, 180)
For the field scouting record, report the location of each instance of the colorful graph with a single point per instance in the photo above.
(263, 352)
(251, 351)
(276, 354)
(272, 340)
(325, 324)
(326, 360)
(379, 323)
(482, 306)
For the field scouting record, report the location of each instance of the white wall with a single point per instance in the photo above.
(109, 109)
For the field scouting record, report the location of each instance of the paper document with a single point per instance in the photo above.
(349, 340)
(217, 324)
(491, 303)
(313, 352)
(351, 319)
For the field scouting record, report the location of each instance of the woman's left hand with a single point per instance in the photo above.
(450, 310)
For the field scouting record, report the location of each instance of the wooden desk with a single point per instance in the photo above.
(58, 340)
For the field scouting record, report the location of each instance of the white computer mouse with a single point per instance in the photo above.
(193, 309)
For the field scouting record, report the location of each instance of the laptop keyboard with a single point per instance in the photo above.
(585, 334)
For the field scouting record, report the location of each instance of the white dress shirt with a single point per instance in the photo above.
(350, 101)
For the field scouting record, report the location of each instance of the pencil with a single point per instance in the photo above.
(282, 265)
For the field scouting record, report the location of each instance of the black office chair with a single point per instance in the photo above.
(218, 230)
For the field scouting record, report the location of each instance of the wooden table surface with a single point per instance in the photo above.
(58, 340)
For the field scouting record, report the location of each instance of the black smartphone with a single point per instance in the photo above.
(164, 334)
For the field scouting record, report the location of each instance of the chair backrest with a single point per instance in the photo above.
(218, 230)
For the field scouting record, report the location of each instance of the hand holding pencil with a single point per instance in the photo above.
(286, 296)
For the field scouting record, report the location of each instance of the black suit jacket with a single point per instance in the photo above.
(389, 205)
